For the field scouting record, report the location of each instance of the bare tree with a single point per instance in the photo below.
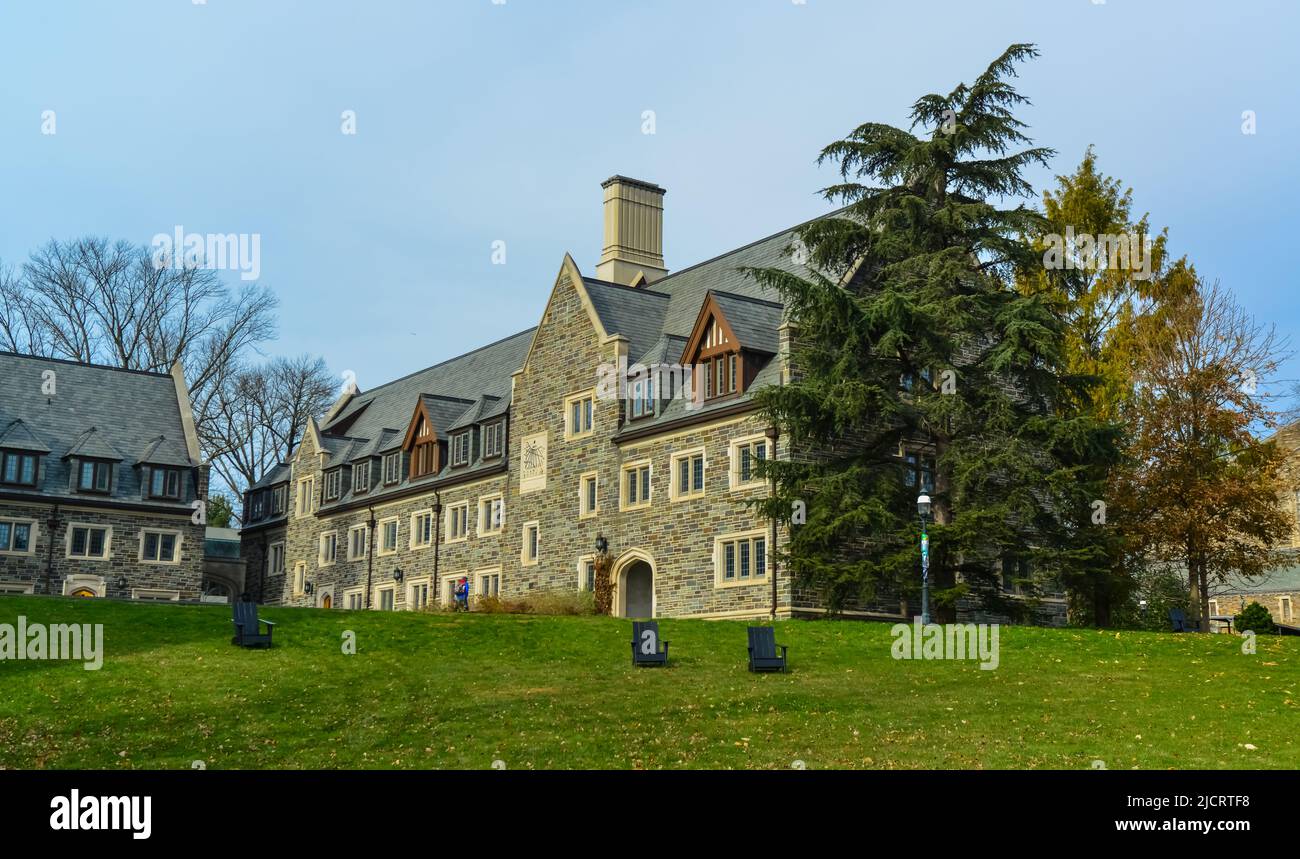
(258, 415)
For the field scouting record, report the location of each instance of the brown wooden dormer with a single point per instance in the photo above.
(723, 365)
(422, 444)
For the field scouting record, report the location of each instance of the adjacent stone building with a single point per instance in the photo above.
(99, 474)
(626, 415)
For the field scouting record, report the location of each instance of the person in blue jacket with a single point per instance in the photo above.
(462, 594)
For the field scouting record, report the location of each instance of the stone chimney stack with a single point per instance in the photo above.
(634, 231)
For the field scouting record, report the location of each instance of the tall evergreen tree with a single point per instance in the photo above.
(912, 340)
(1111, 307)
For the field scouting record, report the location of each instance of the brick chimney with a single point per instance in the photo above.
(634, 231)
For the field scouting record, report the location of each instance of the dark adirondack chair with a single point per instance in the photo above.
(646, 644)
(762, 650)
(1180, 623)
(248, 630)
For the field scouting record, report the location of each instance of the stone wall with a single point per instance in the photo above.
(184, 578)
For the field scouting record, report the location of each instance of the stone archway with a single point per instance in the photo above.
(634, 585)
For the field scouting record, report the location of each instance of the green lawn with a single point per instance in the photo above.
(429, 691)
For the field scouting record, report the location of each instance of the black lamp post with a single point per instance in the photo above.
(397, 575)
(923, 509)
(602, 545)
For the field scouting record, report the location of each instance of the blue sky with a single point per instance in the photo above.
(479, 121)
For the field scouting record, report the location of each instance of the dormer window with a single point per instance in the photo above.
(95, 476)
(18, 468)
(422, 442)
(722, 363)
(333, 484)
(361, 477)
(279, 500)
(256, 505)
(392, 468)
(460, 446)
(164, 483)
(494, 440)
(642, 401)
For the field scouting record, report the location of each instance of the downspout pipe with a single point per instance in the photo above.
(52, 527)
(773, 435)
(437, 539)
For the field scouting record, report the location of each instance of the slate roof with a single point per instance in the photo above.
(19, 436)
(1281, 579)
(127, 416)
(657, 321)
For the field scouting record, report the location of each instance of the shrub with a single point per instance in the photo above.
(1254, 617)
(546, 603)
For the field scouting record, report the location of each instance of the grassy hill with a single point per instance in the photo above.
(427, 690)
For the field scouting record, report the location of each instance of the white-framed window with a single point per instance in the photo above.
(491, 514)
(89, 542)
(358, 542)
(588, 494)
(299, 578)
(460, 448)
(641, 398)
(279, 498)
(385, 598)
(15, 588)
(17, 536)
(1284, 609)
(532, 544)
(635, 489)
(333, 484)
(275, 559)
(305, 504)
(422, 529)
(745, 454)
(329, 549)
(494, 439)
(361, 477)
(418, 593)
(1214, 607)
(487, 583)
(354, 599)
(579, 415)
(587, 573)
(392, 468)
(388, 536)
(160, 547)
(740, 559)
(688, 475)
(457, 522)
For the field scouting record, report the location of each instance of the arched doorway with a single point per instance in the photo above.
(634, 582)
(327, 601)
(84, 593)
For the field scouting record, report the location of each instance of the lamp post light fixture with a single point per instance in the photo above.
(397, 575)
(602, 545)
(121, 583)
(309, 588)
(923, 509)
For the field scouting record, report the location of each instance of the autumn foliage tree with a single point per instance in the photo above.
(1199, 488)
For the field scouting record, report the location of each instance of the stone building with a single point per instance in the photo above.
(99, 472)
(626, 414)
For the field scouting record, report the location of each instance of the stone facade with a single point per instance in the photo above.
(66, 575)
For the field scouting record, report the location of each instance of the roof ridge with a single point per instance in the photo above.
(752, 299)
(746, 247)
(71, 362)
(368, 393)
(640, 290)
